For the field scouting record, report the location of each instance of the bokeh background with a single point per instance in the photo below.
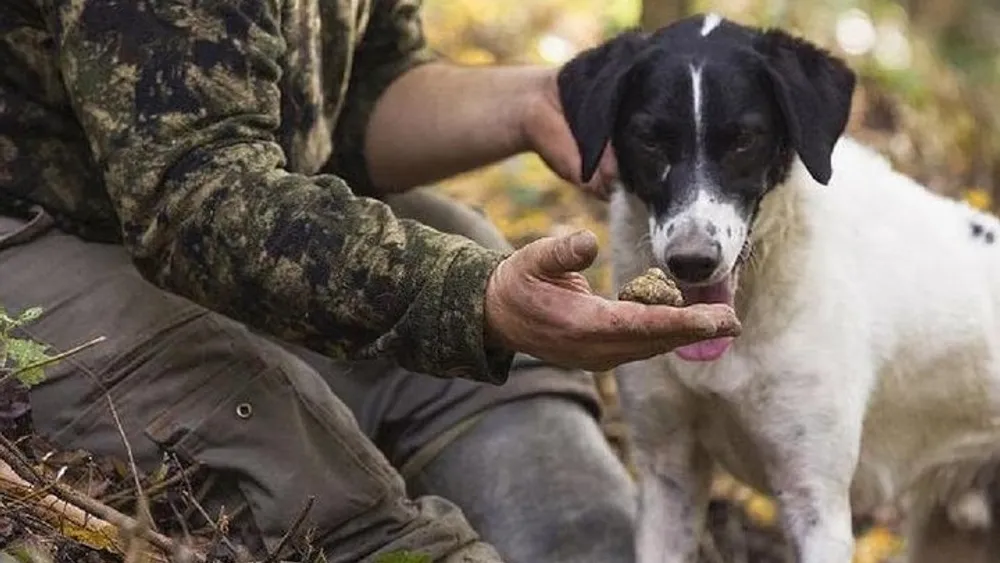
(928, 98)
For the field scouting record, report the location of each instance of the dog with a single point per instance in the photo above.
(870, 306)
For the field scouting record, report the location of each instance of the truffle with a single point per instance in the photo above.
(652, 288)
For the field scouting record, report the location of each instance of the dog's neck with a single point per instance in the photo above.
(779, 240)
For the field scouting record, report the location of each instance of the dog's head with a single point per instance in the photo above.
(705, 117)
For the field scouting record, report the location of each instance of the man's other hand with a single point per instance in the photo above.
(547, 133)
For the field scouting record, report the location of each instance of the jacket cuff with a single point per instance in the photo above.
(462, 319)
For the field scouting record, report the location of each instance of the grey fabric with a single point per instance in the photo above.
(567, 498)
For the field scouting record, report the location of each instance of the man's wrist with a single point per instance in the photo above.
(533, 103)
(493, 338)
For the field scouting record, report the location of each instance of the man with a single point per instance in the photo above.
(185, 178)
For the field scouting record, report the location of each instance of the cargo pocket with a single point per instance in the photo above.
(38, 225)
(286, 437)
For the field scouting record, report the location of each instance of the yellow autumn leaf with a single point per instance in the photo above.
(472, 56)
(978, 198)
(877, 546)
(761, 510)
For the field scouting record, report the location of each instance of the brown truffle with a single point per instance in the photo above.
(652, 288)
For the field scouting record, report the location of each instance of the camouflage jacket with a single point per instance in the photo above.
(217, 140)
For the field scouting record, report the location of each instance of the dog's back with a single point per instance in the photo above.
(926, 270)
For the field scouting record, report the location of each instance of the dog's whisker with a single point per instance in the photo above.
(642, 243)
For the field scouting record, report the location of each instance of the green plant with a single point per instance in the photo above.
(20, 357)
(404, 557)
(24, 358)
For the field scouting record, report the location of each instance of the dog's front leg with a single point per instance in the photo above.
(674, 488)
(809, 437)
(674, 471)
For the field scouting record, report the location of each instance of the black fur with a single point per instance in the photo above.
(591, 86)
(814, 90)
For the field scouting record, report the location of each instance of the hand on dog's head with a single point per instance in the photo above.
(811, 89)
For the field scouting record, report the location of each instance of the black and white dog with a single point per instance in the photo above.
(870, 306)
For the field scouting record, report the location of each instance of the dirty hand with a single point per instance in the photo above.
(548, 135)
(538, 303)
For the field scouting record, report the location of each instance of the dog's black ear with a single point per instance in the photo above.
(814, 89)
(590, 89)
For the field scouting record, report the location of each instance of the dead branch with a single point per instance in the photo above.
(273, 557)
(83, 519)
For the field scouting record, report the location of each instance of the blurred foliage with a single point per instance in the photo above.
(929, 81)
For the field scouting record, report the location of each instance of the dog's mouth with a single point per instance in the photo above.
(722, 291)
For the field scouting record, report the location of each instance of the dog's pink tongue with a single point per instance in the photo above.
(707, 350)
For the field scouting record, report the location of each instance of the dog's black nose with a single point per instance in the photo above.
(694, 266)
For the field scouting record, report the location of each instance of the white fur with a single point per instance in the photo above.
(870, 335)
(696, 98)
(665, 173)
(711, 22)
(706, 211)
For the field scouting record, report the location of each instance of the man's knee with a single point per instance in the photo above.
(563, 495)
(418, 415)
(447, 215)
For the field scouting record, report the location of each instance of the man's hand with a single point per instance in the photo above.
(547, 133)
(538, 303)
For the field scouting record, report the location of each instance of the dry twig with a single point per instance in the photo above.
(79, 516)
(273, 557)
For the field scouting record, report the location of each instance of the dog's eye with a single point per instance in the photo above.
(650, 144)
(746, 139)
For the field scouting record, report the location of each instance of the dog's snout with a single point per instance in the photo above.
(693, 261)
(693, 267)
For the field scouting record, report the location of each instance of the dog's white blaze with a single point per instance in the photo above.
(696, 95)
(711, 22)
(665, 173)
(696, 100)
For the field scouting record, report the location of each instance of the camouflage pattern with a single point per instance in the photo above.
(199, 134)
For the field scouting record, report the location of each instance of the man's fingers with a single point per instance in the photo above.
(609, 163)
(710, 320)
(600, 185)
(657, 322)
(555, 256)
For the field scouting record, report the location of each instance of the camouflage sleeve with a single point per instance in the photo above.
(393, 44)
(180, 104)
